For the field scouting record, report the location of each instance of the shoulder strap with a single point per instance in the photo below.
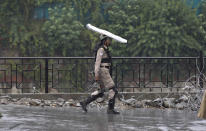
(95, 55)
(108, 52)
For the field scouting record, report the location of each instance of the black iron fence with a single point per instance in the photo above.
(75, 74)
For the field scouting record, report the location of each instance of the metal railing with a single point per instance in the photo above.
(75, 74)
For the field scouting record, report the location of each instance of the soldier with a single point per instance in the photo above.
(102, 76)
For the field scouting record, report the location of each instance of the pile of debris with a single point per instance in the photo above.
(60, 102)
(177, 103)
(180, 103)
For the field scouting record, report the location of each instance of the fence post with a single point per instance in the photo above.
(46, 76)
(201, 67)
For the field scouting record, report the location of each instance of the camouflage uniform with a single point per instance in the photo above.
(102, 71)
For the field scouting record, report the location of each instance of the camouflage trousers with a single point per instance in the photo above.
(106, 84)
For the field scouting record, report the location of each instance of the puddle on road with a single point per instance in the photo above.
(73, 119)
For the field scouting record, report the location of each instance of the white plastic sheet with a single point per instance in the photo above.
(107, 33)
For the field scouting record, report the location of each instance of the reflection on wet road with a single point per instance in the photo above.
(20, 118)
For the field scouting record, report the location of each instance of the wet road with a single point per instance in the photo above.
(20, 118)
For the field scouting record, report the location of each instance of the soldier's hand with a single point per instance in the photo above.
(97, 78)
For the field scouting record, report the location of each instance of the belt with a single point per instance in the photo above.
(108, 67)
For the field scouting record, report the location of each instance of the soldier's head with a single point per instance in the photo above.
(105, 40)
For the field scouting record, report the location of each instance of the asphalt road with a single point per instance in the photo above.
(23, 118)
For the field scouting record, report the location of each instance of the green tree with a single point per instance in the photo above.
(157, 27)
(89, 11)
(18, 29)
(202, 18)
(63, 32)
(152, 27)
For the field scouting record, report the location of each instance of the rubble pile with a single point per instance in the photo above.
(177, 103)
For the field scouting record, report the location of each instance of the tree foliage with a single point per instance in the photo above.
(152, 27)
(18, 29)
(62, 32)
(157, 27)
(202, 18)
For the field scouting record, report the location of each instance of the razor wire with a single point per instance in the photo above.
(192, 89)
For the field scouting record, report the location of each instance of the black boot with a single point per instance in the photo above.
(110, 109)
(89, 100)
(85, 103)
